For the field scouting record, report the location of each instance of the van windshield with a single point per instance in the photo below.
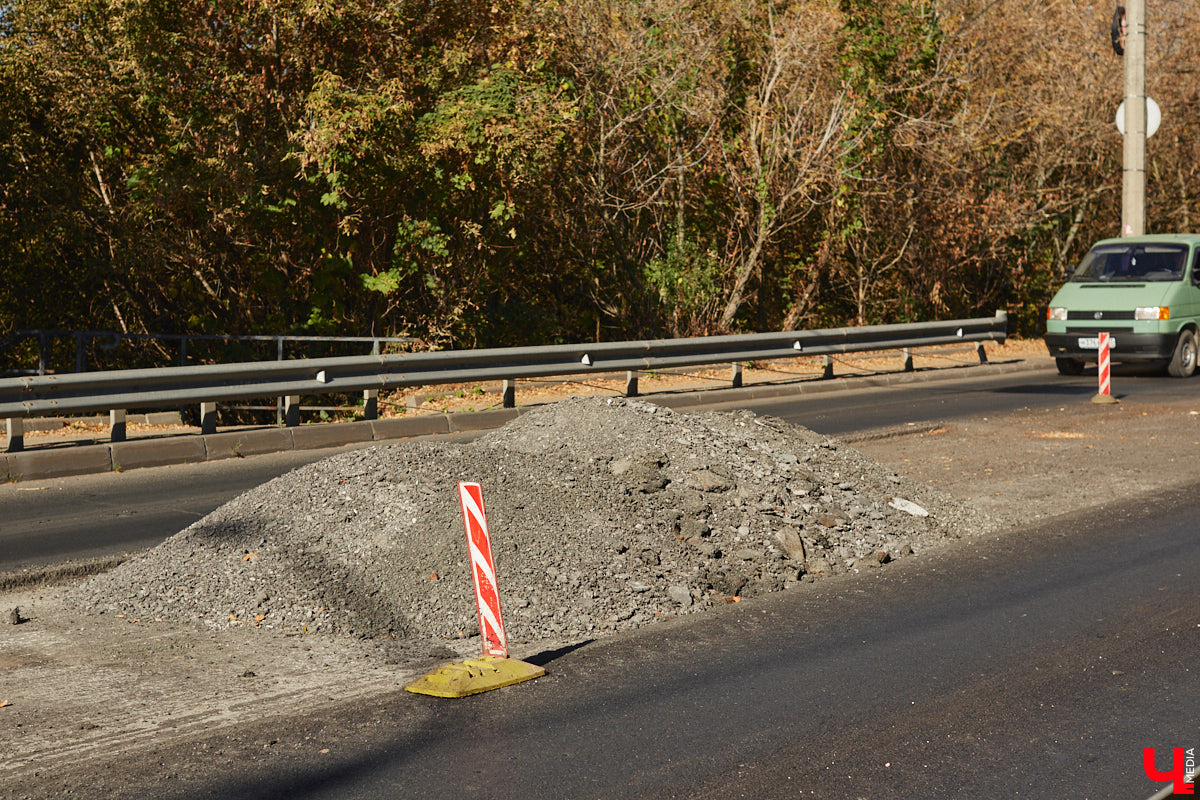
(1133, 262)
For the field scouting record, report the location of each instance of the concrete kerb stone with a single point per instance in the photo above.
(237, 444)
(483, 420)
(405, 427)
(59, 462)
(159, 418)
(314, 437)
(157, 452)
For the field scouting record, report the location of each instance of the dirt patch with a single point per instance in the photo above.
(1028, 466)
(81, 688)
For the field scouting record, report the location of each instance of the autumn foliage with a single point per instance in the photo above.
(511, 172)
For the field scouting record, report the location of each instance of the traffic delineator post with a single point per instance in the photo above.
(1104, 371)
(495, 668)
(483, 570)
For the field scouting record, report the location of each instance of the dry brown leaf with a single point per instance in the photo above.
(4, 703)
(1059, 435)
(249, 556)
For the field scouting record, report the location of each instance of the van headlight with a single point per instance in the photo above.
(1057, 313)
(1152, 312)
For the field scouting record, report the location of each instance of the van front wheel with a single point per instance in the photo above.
(1183, 362)
(1069, 366)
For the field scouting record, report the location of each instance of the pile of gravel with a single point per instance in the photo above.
(605, 514)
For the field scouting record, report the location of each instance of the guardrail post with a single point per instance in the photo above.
(631, 384)
(826, 367)
(982, 353)
(116, 424)
(15, 427)
(735, 375)
(508, 394)
(908, 364)
(370, 404)
(80, 352)
(43, 351)
(291, 410)
(208, 418)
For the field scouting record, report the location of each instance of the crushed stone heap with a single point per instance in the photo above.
(605, 514)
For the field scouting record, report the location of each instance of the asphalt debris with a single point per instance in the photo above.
(605, 514)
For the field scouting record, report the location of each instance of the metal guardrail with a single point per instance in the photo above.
(110, 340)
(117, 390)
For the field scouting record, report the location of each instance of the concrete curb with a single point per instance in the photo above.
(239, 444)
(156, 452)
(65, 461)
(59, 462)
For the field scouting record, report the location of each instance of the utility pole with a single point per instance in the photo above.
(1133, 184)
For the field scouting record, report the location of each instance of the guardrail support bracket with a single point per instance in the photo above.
(631, 384)
(826, 367)
(371, 402)
(291, 410)
(15, 428)
(982, 352)
(735, 375)
(116, 424)
(508, 393)
(908, 363)
(208, 418)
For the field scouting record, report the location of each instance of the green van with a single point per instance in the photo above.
(1144, 291)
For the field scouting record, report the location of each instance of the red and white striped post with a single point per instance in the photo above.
(1105, 382)
(483, 569)
(1104, 346)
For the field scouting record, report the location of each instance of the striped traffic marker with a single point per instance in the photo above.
(1104, 371)
(495, 668)
(483, 570)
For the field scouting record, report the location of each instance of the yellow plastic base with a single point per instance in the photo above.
(474, 676)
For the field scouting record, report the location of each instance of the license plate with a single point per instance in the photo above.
(1093, 342)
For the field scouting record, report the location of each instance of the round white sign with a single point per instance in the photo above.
(1153, 117)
